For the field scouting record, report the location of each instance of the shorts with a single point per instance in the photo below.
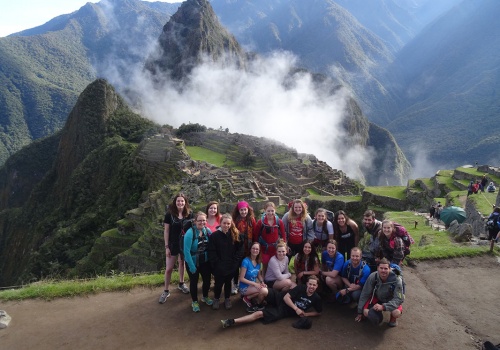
(492, 234)
(269, 284)
(174, 248)
(374, 301)
(276, 309)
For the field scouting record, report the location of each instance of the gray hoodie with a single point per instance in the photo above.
(389, 293)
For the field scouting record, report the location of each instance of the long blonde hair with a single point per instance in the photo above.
(291, 213)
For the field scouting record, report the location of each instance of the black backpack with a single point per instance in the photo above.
(493, 224)
(186, 225)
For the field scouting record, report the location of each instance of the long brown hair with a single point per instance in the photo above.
(248, 219)
(258, 259)
(172, 208)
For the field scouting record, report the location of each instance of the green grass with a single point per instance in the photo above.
(388, 191)
(441, 246)
(215, 158)
(317, 197)
(57, 289)
(484, 202)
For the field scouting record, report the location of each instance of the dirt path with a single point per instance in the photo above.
(449, 305)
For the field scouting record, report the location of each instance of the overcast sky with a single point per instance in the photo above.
(17, 15)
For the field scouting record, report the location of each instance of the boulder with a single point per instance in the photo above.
(464, 233)
(454, 228)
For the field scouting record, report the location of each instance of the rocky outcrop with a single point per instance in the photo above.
(192, 35)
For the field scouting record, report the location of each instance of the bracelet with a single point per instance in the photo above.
(166, 246)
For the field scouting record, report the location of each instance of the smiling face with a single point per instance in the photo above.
(307, 248)
(225, 224)
(387, 229)
(331, 249)
(280, 253)
(180, 203)
(201, 221)
(320, 218)
(341, 220)
(297, 209)
(312, 285)
(243, 212)
(270, 211)
(255, 250)
(355, 257)
(212, 210)
(383, 271)
(368, 221)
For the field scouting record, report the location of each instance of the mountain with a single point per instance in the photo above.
(72, 186)
(44, 69)
(192, 34)
(446, 81)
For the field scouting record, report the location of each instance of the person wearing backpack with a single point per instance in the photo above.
(196, 257)
(178, 212)
(383, 291)
(225, 250)
(322, 229)
(268, 230)
(493, 226)
(392, 246)
(298, 226)
(354, 275)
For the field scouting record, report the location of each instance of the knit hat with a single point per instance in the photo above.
(242, 204)
(302, 323)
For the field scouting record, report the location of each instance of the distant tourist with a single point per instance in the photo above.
(298, 226)
(346, 233)
(482, 184)
(491, 188)
(492, 224)
(437, 212)
(178, 212)
(244, 220)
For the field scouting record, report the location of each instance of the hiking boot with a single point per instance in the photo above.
(247, 301)
(183, 288)
(393, 322)
(227, 304)
(207, 301)
(215, 305)
(225, 323)
(164, 296)
(196, 306)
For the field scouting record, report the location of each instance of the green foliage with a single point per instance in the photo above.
(388, 191)
(215, 158)
(187, 128)
(131, 126)
(248, 159)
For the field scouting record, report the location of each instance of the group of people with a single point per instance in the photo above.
(481, 185)
(251, 256)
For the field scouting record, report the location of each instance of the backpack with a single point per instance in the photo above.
(399, 274)
(402, 233)
(261, 240)
(358, 277)
(186, 225)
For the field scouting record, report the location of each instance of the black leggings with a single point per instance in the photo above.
(223, 281)
(206, 271)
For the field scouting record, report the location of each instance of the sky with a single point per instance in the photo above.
(17, 15)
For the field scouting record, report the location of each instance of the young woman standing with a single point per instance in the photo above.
(225, 249)
(298, 226)
(213, 215)
(196, 256)
(178, 212)
(244, 220)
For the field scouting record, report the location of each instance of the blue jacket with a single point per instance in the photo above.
(191, 253)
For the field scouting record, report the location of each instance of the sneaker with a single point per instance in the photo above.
(234, 290)
(215, 304)
(252, 309)
(163, 297)
(225, 323)
(247, 301)
(183, 288)
(227, 304)
(195, 306)
(207, 300)
(393, 322)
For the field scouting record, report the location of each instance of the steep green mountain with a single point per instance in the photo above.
(72, 186)
(44, 69)
(448, 87)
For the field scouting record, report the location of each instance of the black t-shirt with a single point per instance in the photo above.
(303, 301)
(175, 227)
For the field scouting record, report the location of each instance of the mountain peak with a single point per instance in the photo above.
(192, 34)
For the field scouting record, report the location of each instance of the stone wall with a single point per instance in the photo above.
(387, 202)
